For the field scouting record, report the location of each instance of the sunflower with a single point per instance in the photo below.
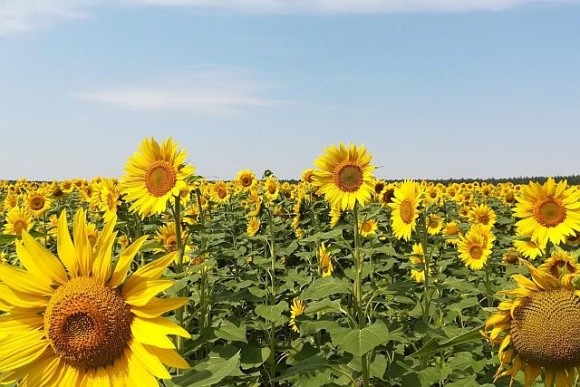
(344, 176)
(537, 329)
(404, 209)
(296, 309)
(325, 262)
(219, 192)
(434, 224)
(451, 233)
(37, 202)
(561, 264)
(75, 320)
(417, 261)
(475, 247)
(271, 188)
(549, 212)
(167, 236)
(368, 227)
(17, 220)
(246, 179)
(154, 176)
(529, 249)
(482, 214)
(253, 226)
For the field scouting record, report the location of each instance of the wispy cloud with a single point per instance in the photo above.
(23, 15)
(348, 6)
(208, 92)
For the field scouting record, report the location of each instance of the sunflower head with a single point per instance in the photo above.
(548, 212)
(74, 318)
(344, 175)
(154, 176)
(536, 329)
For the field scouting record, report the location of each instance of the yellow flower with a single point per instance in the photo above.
(246, 179)
(529, 249)
(562, 265)
(344, 176)
(482, 214)
(434, 224)
(271, 188)
(37, 202)
(416, 258)
(368, 227)
(475, 247)
(325, 261)
(404, 209)
(219, 192)
(76, 320)
(253, 226)
(296, 309)
(154, 176)
(17, 220)
(537, 330)
(451, 233)
(548, 212)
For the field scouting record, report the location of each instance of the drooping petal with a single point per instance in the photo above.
(124, 262)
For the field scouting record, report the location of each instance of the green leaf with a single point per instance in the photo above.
(324, 287)
(325, 305)
(253, 356)
(361, 341)
(209, 372)
(273, 312)
(311, 365)
(435, 344)
(231, 332)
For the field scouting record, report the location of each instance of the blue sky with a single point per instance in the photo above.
(434, 88)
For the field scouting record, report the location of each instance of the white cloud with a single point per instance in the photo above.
(348, 6)
(209, 92)
(23, 15)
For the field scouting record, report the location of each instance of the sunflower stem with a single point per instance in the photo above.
(426, 265)
(272, 335)
(179, 313)
(488, 286)
(360, 310)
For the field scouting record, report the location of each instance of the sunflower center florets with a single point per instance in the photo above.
(37, 203)
(348, 177)
(406, 210)
(160, 178)
(87, 323)
(475, 252)
(550, 212)
(545, 329)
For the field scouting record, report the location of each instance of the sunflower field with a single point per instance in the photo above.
(162, 277)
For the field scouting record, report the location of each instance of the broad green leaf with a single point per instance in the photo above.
(209, 372)
(273, 312)
(324, 287)
(231, 332)
(252, 356)
(436, 344)
(361, 341)
(311, 365)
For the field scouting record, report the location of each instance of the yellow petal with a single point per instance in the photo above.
(103, 251)
(525, 282)
(157, 306)
(150, 361)
(20, 299)
(139, 374)
(124, 262)
(497, 317)
(20, 350)
(140, 331)
(20, 280)
(168, 356)
(83, 249)
(142, 292)
(152, 270)
(46, 372)
(65, 246)
(531, 372)
(43, 262)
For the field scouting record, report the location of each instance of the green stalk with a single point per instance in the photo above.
(426, 265)
(488, 286)
(358, 293)
(272, 333)
(179, 313)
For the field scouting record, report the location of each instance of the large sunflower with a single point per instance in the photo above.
(537, 329)
(18, 220)
(345, 176)
(404, 209)
(74, 320)
(475, 246)
(549, 212)
(154, 176)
